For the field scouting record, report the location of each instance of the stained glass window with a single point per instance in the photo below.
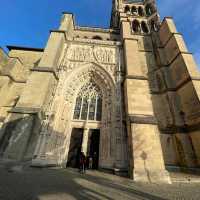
(88, 103)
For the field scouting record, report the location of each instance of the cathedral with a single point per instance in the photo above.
(128, 96)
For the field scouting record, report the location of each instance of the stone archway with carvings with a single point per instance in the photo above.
(93, 77)
(57, 137)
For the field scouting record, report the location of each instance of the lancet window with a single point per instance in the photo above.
(88, 103)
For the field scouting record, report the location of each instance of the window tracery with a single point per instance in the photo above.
(88, 103)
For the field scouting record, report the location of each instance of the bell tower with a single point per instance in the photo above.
(136, 21)
(142, 13)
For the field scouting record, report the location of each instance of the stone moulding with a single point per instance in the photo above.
(143, 119)
(100, 42)
(96, 29)
(13, 79)
(136, 77)
(46, 69)
(25, 110)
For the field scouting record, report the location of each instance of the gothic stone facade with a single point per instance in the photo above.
(136, 83)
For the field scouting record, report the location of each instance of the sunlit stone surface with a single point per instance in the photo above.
(127, 96)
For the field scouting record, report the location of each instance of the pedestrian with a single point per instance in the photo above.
(95, 160)
(82, 162)
(90, 162)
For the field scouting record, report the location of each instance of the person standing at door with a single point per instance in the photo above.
(95, 160)
(82, 162)
(90, 162)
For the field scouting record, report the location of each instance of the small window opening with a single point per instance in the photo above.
(149, 9)
(144, 27)
(127, 9)
(136, 26)
(154, 26)
(134, 10)
(97, 37)
(140, 11)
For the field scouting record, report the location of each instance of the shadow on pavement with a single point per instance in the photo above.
(66, 184)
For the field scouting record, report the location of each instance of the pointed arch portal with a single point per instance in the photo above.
(86, 111)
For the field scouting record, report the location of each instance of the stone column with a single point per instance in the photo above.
(85, 141)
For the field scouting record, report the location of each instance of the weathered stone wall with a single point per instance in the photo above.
(145, 160)
(17, 132)
(154, 72)
(174, 94)
(90, 33)
(12, 81)
(28, 57)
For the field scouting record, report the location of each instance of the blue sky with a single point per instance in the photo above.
(27, 23)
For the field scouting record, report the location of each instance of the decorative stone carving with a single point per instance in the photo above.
(90, 90)
(87, 53)
(93, 71)
(76, 55)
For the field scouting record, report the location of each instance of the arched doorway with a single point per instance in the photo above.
(94, 82)
(87, 109)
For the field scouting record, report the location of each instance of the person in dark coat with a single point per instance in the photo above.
(82, 162)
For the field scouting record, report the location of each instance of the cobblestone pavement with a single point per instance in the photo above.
(69, 184)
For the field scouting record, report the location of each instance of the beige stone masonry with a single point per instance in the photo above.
(133, 65)
(3, 58)
(36, 90)
(147, 153)
(20, 135)
(169, 150)
(166, 30)
(67, 24)
(195, 137)
(189, 103)
(175, 46)
(145, 85)
(184, 149)
(138, 97)
(125, 29)
(53, 50)
(29, 58)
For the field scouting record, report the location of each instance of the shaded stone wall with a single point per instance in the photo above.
(175, 96)
(150, 88)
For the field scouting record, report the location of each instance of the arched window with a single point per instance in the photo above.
(144, 27)
(149, 9)
(97, 37)
(136, 26)
(88, 103)
(134, 10)
(140, 11)
(154, 26)
(127, 9)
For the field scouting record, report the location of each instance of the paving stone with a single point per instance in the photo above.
(69, 184)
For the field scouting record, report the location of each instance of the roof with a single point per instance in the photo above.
(24, 48)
